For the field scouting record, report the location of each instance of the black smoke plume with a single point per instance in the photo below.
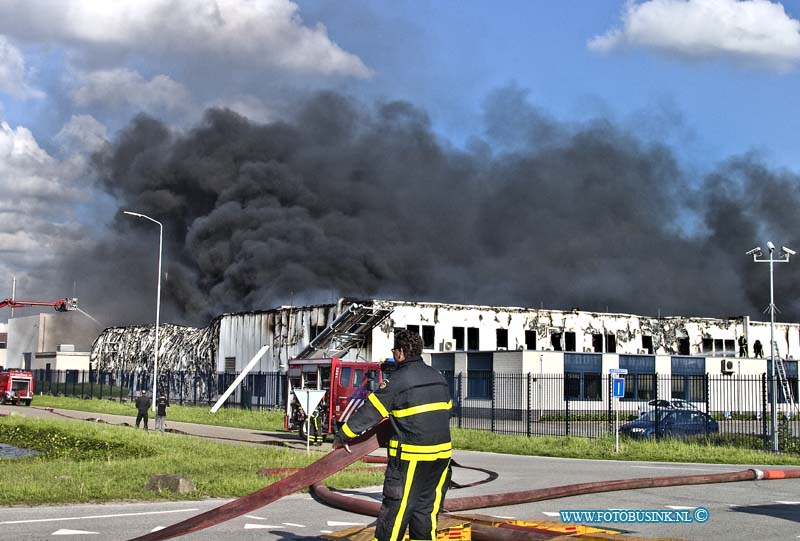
(343, 199)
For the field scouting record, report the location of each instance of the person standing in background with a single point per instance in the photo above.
(161, 412)
(142, 403)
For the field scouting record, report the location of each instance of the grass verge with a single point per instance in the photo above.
(86, 462)
(271, 420)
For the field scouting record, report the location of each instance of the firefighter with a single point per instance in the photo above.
(743, 346)
(317, 435)
(417, 402)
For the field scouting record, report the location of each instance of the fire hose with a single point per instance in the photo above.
(339, 459)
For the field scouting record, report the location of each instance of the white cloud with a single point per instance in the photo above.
(82, 134)
(123, 87)
(12, 72)
(756, 32)
(250, 33)
(39, 195)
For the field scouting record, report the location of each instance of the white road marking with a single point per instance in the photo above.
(72, 532)
(293, 524)
(326, 531)
(674, 468)
(255, 517)
(789, 503)
(509, 518)
(680, 507)
(97, 516)
(337, 523)
(157, 528)
(551, 514)
(249, 526)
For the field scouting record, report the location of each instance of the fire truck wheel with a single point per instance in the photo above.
(28, 402)
(302, 431)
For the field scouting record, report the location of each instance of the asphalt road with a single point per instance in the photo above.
(756, 510)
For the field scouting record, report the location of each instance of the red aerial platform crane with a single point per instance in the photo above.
(61, 305)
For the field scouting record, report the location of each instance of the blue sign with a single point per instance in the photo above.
(618, 387)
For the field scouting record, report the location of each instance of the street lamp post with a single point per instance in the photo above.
(158, 299)
(783, 257)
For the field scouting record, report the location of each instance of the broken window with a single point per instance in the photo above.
(473, 338)
(611, 343)
(569, 341)
(719, 348)
(428, 336)
(730, 348)
(597, 343)
(315, 330)
(555, 341)
(458, 336)
(413, 328)
(502, 338)
(647, 344)
(683, 346)
(230, 365)
(708, 346)
(530, 339)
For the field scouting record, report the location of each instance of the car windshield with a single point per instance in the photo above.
(651, 415)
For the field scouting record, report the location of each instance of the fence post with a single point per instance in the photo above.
(83, 382)
(494, 403)
(766, 436)
(528, 412)
(566, 402)
(460, 399)
(707, 388)
(610, 413)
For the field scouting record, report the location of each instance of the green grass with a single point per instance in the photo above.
(271, 420)
(715, 450)
(86, 462)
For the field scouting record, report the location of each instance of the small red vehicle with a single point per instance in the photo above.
(347, 384)
(16, 386)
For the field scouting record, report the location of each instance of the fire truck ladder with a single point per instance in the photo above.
(780, 370)
(347, 331)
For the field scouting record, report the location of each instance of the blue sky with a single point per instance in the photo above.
(709, 79)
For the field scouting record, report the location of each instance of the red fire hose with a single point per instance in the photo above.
(339, 459)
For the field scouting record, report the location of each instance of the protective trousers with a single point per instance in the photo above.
(413, 493)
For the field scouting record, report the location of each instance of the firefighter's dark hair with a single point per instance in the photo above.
(410, 342)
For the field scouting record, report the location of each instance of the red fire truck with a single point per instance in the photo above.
(347, 384)
(16, 386)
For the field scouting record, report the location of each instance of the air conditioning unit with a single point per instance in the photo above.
(727, 366)
(587, 350)
(502, 348)
(448, 345)
(522, 347)
(642, 352)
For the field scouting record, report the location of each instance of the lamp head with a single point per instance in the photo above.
(770, 246)
(755, 252)
(787, 251)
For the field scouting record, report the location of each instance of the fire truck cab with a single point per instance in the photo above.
(347, 384)
(16, 386)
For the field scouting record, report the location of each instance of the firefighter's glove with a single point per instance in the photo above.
(339, 441)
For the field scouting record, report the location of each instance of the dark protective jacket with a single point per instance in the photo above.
(417, 399)
(161, 406)
(143, 403)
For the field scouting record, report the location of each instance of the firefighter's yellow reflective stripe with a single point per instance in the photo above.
(347, 432)
(437, 502)
(423, 408)
(404, 502)
(378, 406)
(425, 457)
(422, 448)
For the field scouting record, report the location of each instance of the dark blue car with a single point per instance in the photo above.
(670, 423)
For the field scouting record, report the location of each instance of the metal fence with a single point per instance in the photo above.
(572, 404)
(261, 390)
